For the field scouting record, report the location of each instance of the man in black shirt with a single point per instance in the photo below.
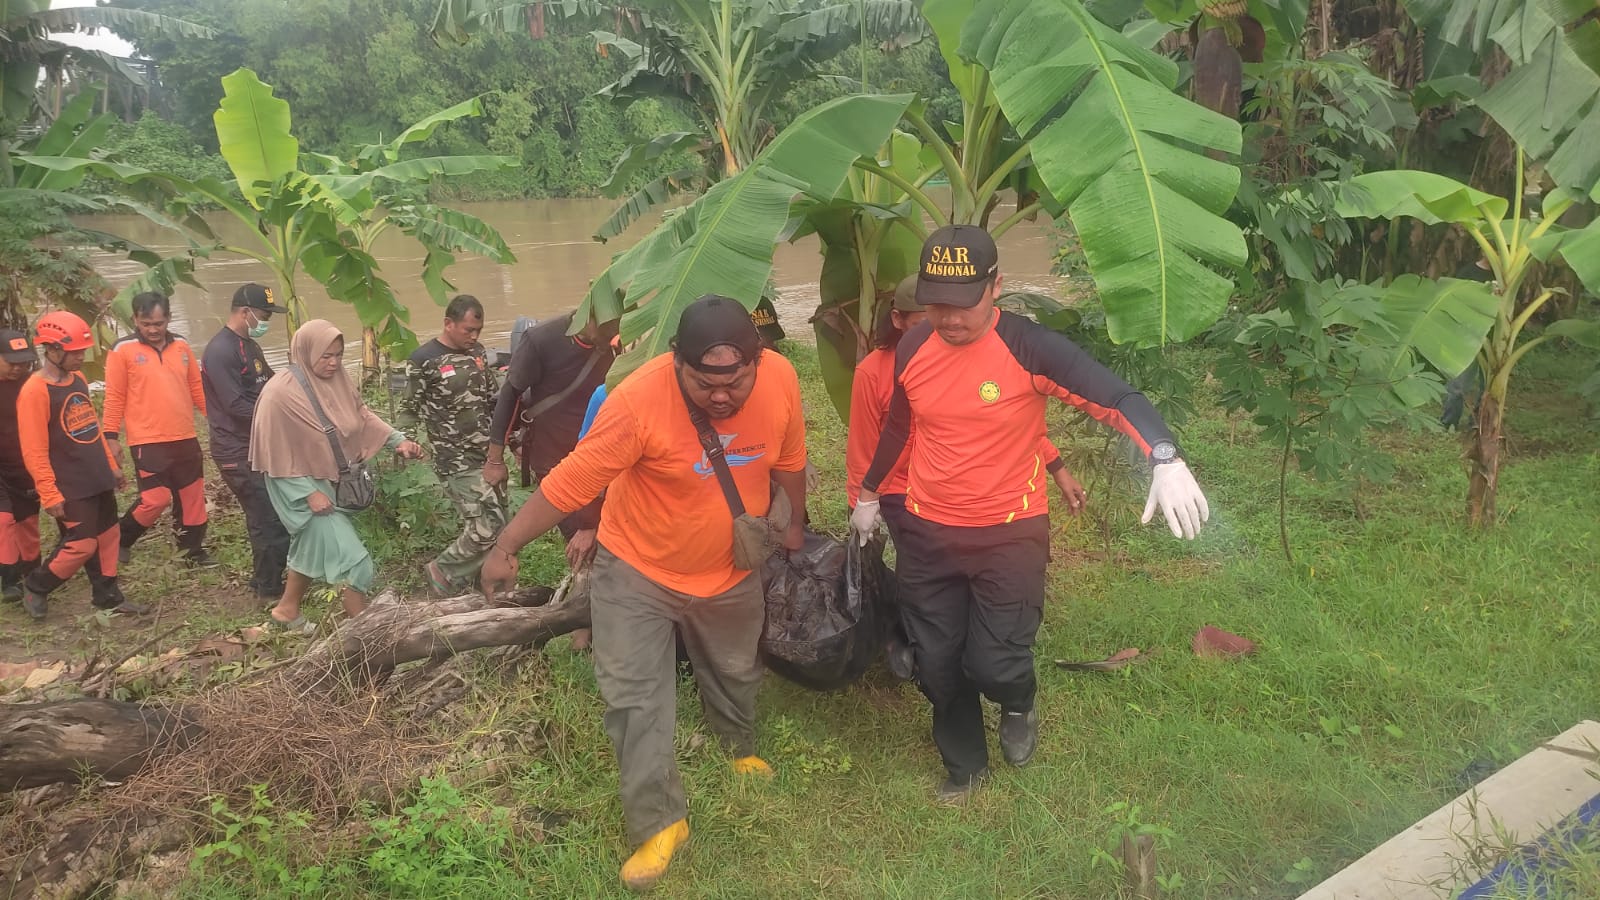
(546, 393)
(19, 502)
(232, 372)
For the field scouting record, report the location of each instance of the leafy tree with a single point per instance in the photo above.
(41, 263)
(315, 212)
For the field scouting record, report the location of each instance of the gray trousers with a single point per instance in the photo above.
(635, 664)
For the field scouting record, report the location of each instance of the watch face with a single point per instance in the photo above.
(1163, 451)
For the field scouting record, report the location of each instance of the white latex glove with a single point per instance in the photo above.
(865, 520)
(1174, 490)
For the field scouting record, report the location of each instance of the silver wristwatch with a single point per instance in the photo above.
(1163, 452)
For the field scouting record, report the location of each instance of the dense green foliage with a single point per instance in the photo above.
(356, 71)
(1376, 697)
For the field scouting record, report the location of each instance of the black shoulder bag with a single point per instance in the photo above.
(354, 490)
(754, 537)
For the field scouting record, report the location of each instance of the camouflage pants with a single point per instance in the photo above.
(483, 514)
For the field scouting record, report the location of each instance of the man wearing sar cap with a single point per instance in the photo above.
(974, 543)
(686, 448)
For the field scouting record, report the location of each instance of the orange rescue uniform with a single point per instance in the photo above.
(664, 512)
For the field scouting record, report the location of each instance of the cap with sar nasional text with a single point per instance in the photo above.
(714, 321)
(256, 297)
(957, 264)
(15, 347)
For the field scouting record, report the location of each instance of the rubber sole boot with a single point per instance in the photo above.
(37, 605)
(956, 791)
(751, 765)
(648, 863)
(1019, 736)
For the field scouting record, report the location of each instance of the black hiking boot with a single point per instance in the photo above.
(200, 559)
(10, 583)
(956, 791)
(129, 608)
(36, 604)
(1019, 736)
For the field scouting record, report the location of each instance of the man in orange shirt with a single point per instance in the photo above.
(870, 392)
(972, 550)
(153, 390)
(666, 556)
(74, 471)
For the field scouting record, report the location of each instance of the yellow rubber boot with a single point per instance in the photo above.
(751, 765)
(648, 863)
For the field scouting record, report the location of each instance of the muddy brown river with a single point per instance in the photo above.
(556, 259)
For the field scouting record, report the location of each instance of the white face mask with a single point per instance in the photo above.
(260, 328)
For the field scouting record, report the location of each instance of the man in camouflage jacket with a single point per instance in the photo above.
(451, 391)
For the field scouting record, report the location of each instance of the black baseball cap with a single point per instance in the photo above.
(957, 263)
(905, 296)
(15, 347)
(765, 317)
(255, 297)
(715, 321)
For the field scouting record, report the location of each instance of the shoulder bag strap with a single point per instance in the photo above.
(544, 406)
(327, 425)
(711, 443)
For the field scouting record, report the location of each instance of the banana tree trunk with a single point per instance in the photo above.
(1483, 454)
(369, 354)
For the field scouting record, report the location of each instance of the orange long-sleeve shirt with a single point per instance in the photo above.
(665, 513)
(152, 394)
(869, 408)
(61, 442)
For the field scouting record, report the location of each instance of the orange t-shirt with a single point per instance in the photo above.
(664, 512)
(978, 410)
(151, 394)
(869, 406)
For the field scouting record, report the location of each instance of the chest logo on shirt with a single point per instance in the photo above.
(446, 370)
(744, 457)
(989, 391)
(140, 358)
(259, 367)
(78, 420)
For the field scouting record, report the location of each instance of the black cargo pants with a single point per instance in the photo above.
(972, 600)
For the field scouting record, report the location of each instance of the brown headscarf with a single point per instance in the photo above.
(286, 439)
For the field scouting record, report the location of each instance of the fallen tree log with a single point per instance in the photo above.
(48, 743)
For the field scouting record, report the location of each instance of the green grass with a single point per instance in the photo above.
(1401, 650)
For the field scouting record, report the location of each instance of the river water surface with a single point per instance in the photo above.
(556, 260)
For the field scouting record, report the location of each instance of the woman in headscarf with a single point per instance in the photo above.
(288, 445)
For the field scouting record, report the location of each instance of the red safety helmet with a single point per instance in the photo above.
(65, 330)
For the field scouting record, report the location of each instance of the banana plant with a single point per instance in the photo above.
(1058, 108)
(1510, 245)
(27, 29)
(39, 241)
(321, 223)
(727, 59)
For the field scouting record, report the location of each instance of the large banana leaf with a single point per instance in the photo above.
(253, 134)
(94, 18)
(654, 193)
(1127, 157)
(1445, 321)
(639, 156)
(723, 242)
(423, 129)
(1425, 196)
